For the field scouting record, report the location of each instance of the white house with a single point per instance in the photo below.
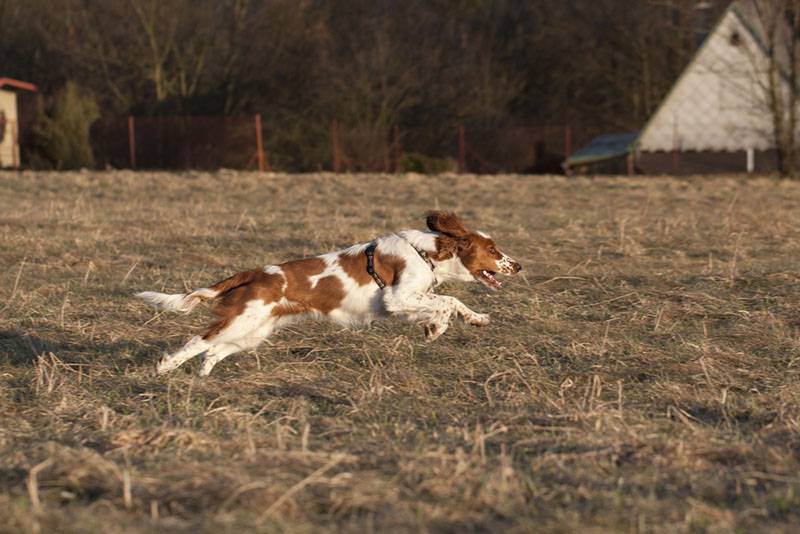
(717, 116)
(9, 120)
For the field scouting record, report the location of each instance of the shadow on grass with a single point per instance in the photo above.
(318, 397)
(22, 349)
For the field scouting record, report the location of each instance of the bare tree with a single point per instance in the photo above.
(779, 81)
(161, 50)
(371, 85)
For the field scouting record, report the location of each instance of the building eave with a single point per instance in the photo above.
(18, 84)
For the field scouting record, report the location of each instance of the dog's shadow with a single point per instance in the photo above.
(20, 349)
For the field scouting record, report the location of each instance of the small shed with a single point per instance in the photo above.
(607, 154)
(9, 120)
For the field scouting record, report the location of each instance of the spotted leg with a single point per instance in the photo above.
(193, 347)
(434, 310)
(216, 355)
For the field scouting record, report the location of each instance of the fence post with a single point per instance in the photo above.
(396, 149)
(337, 157)
(462, 149)
(262, 164)
(14, 145)
(675, 145)
(567, 140)
(132, 141)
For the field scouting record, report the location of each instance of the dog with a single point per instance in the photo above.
(392, 275)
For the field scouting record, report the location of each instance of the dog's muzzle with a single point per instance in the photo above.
(508, 266)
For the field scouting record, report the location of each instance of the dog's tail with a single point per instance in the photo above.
(186, 302)
(179, 302)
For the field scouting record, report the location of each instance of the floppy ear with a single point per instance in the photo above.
(447, 223)
(447, 247)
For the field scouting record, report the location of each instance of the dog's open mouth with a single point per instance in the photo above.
(487, 278)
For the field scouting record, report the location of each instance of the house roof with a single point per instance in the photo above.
(17, 84)
(604, 148)
(753, 16)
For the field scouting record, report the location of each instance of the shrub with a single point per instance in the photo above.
(420, 163)
(60, 133)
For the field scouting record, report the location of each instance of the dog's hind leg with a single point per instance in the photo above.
(250, 341)
(193, 347)
(216, 354)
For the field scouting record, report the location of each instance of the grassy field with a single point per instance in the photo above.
(643, 375)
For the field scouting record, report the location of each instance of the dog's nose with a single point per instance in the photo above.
(517, 267)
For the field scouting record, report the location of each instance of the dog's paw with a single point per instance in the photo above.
(478, 319)
(433, 331)
(164, 366)
(206, 368)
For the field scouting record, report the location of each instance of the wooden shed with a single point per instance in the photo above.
(9, 120)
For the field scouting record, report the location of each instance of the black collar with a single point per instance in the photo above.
(370, 253)
(422, 254)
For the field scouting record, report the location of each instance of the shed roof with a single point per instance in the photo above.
(17, 84)
(604, 148)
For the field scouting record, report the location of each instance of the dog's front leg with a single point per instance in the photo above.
(469, 316)
(434, 310)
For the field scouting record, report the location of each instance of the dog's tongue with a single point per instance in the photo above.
(495, 282)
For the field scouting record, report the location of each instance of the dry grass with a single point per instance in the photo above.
(641, 376)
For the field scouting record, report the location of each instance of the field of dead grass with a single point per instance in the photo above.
(641, 376)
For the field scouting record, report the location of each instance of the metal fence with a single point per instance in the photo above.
(192, 142)
(180, 142)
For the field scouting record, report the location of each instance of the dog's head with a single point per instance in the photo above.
(476, 251)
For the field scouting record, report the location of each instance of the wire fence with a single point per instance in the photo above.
(179, 142)
(208, 143)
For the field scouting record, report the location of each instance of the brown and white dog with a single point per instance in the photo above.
(346, 287)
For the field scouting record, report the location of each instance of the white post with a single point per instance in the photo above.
(751, 161)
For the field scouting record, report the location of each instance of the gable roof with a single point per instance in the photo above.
(747, 12)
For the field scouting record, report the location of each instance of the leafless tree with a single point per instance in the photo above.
(136, 46)
(779, 23)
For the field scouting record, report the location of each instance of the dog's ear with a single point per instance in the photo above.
(447, 223)
(447, 247)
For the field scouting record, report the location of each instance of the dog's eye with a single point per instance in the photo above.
(492, 250)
